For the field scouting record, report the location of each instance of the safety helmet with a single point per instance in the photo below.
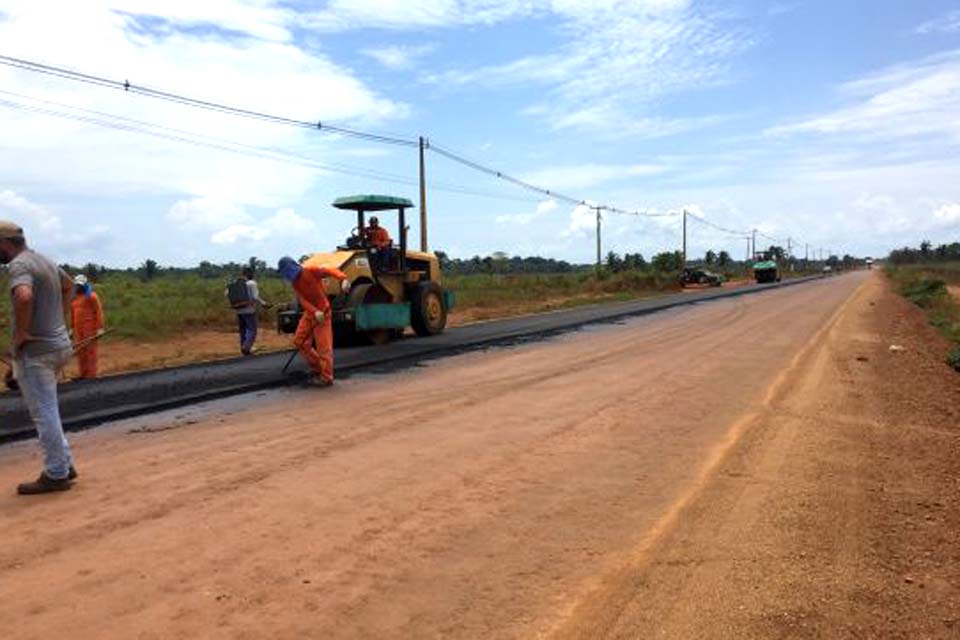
(289, 268)
(374, 220)
(80, 280)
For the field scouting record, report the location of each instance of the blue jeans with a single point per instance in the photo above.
(247, 326)
(37, 377)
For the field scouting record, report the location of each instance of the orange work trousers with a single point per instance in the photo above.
(315, 342)
(87, 359)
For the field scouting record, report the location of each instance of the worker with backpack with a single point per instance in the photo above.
(244, 296)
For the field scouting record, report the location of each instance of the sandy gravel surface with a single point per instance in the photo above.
(618, 482)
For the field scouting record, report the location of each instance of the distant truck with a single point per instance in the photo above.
(869, 262)
(765, 268)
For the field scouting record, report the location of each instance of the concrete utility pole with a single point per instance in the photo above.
(684, 237)
(753, 244)
(423, 196)
(806, 252)
(789, 248)
(599, 218)
(748, 248)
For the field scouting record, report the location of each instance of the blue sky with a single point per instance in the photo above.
(834, 123)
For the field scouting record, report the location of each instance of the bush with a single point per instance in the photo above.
(925, 292)
(953, 358)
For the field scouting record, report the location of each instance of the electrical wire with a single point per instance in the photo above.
(717, 227)
(128, 124)
(128, 87)
(476, 166)
(133, 125)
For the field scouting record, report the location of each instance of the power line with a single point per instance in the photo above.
(706, 222)
(500, 175)
(128, 87)
(476, 166)
(178, 135)
(132, 125)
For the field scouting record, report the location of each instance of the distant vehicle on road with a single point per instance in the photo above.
(765, 268)
(869, 262)
(827, 269)
(693, 275)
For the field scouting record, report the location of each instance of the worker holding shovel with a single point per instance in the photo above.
(314, 336)
(86, 314)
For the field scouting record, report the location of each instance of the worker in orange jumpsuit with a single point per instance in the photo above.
(86, 316)
(376, 235)
(379, 240)
(314, 335)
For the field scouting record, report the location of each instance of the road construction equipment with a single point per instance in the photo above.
(765, 268)
(392, 288)
(692, 275)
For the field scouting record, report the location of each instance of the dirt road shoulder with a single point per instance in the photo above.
(836, 515)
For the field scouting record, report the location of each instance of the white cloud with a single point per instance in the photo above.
(919, 98)
(947, 23)
(543, 208)
(257, 18)
(583, 220)
(589, 175)
(341, 15)
(47, 232)
(252, 62)
(398, 57)
(947, 214)
(34, 218)
(206, 213)
(618, 55)
(285, 223)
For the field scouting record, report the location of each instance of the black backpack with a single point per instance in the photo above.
(238, 293)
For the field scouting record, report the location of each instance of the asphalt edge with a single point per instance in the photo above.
(390, 363)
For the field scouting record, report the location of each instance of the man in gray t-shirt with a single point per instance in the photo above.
(40, 295)
(46, 332)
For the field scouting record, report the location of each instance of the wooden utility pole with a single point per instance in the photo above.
(423, 196)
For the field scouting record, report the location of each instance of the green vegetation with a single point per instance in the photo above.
(925, 284)
(167, 303)
(530, 291)
(153, 302)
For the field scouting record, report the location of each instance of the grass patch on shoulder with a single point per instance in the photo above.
(926, 286)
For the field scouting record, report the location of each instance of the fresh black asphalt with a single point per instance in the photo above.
(88, 403)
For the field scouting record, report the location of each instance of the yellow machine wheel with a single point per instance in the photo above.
(428, 315)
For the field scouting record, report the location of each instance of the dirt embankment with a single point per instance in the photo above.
(116, 355)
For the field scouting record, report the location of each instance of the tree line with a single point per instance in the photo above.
(503, 263)
(926, 252)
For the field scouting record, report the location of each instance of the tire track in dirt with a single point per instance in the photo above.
(480, 511)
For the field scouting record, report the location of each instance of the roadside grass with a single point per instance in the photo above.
(499, 290)
(926, 286)
(169, 305)
(164, 306)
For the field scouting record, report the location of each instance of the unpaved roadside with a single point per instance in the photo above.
(837, 515)
(514, 493)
